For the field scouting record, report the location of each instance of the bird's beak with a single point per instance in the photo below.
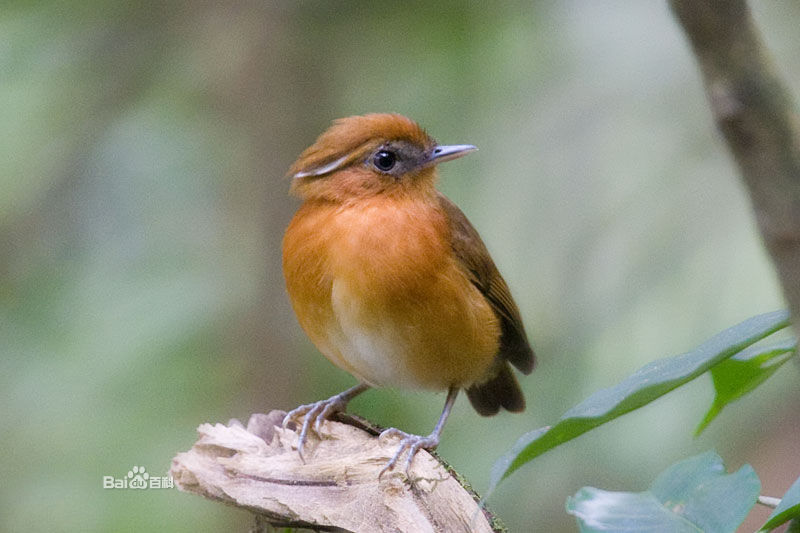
(446, 153)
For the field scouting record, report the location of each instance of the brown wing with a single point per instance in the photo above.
(474, 257)
(500, 387)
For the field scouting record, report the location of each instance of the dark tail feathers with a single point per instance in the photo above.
(501, 390)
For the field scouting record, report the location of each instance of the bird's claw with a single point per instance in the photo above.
(315, 414)
(410, 442)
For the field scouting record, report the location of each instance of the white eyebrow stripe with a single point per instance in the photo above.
(319, 171)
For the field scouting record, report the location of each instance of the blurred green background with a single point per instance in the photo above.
(143, 148)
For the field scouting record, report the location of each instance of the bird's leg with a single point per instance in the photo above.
(316, 413)
(413, 443)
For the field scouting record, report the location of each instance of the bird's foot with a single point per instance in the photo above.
(315, 414)
(410, 442)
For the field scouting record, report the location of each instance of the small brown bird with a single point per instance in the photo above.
(390, 280)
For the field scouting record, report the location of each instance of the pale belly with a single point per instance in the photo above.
(431, 339)
(376, 349)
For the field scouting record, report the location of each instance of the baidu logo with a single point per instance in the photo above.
(138, 478)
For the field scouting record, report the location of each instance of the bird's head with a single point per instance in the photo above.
(366, 155)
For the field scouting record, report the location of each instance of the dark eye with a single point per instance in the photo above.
(384, 160)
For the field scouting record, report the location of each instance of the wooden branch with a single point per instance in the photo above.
(257, 468)
(755, 113)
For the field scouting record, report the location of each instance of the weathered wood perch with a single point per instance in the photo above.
(257, 468)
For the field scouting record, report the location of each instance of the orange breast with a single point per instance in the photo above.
(377, 289)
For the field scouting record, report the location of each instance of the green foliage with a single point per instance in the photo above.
(694, 495)
(647, 384)
(744, 372)
(788, 509)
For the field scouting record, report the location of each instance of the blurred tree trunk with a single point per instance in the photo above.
(267, 88)
(755, 113)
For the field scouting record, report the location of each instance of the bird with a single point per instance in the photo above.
(390, 280)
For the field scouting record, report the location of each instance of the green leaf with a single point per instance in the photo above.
(645, 385)
(735, 377)
(695, 495)
(788, 509)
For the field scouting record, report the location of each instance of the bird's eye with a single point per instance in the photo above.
(384, 160)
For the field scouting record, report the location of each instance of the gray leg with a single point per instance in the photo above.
(414, 442)
(316, 413)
